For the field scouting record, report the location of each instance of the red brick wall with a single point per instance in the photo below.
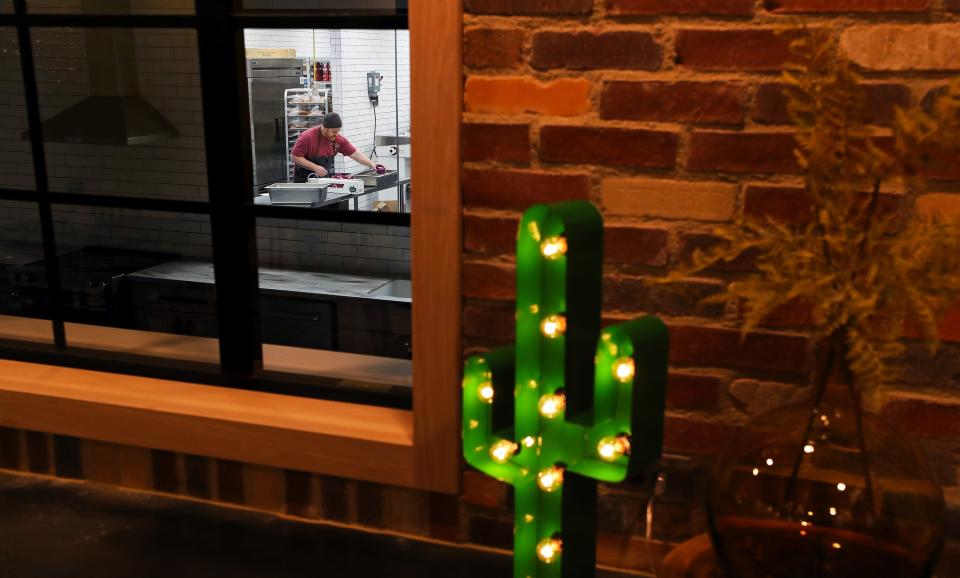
(667, 114)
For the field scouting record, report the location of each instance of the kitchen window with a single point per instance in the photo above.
(226, 290)
(295, 79)
(123, 119)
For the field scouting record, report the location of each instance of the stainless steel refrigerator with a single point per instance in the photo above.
(267, 78)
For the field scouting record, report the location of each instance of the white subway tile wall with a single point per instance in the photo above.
(16, 161)
(19, 222)
(313, 245)
(169, 79)
(354, 248)
(305, 42)
(182, 233)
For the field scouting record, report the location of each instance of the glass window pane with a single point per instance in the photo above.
(280, 65)
(348, 7)
(295, 78)
(130, 126)
(332, 287)
(133, 280)
(22, 278)
(164, 7)
(16, 160)
(372, 122)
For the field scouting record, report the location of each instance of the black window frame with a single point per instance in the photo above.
(219, 26)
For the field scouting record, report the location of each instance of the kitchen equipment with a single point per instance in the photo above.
(373, 180)
(399, 147)
(304, 109)
(352, 186)
(296, 193)
(267, 79)
(373, 87)
(12, 255)
(114, 113)
(90, 282)
(253, 53)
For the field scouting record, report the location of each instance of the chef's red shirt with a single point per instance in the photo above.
(312, 143)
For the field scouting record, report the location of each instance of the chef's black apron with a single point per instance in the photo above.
(300, 174)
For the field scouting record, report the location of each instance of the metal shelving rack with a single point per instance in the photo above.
(299, 115)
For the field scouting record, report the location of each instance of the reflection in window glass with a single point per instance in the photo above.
(335, 287)
(22, 275)
(353, 7)
(122, 111)
(295, 78)
(160, 7)
(16, 160)
(131, 278)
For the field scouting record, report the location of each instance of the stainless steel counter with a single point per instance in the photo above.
(286, 281)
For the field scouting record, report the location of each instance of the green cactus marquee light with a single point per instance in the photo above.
(568, 404)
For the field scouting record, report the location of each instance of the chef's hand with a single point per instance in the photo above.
(321, 172)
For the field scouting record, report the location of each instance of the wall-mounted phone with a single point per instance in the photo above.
(373, 87)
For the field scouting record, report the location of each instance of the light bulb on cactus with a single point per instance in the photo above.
(552, 405)
(549, 549)
(553, 326)
(624, 369)
(553, 247)
(486, 392)
(502, 451)
(612, 448)
(550, 479)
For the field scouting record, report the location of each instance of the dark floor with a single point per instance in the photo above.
(54, 529)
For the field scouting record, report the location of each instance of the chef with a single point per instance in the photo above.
(317, 147)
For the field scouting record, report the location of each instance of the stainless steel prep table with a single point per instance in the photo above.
(280, 281)
(334, 197)
(348, 313)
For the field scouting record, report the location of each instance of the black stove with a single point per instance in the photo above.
(14, 254)
(90, 280)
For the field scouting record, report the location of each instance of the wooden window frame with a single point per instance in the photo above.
(417, 448)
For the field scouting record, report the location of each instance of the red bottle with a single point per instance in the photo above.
(317, 72)
(327, 75)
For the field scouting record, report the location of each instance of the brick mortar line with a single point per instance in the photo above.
(750, 127)
(722, 415)
(607, 172)
(676, 320)
(760, 18)
(681, 73)
(720, 323)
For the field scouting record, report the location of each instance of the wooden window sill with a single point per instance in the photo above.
(26, 329)
(348, 440)
(280, 358)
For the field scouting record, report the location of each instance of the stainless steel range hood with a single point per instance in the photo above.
(115, 113)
